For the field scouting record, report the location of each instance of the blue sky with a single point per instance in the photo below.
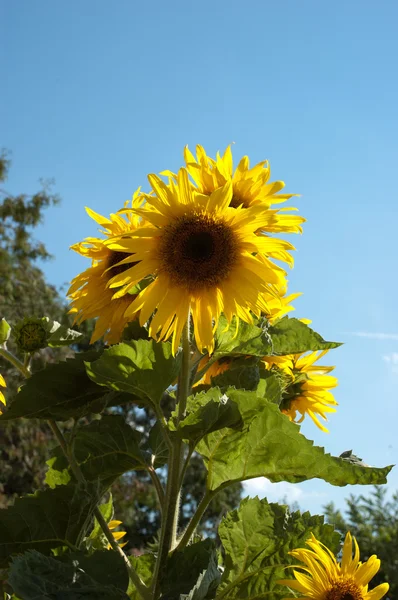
(97, 95)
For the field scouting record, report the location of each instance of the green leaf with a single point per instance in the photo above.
(184, 567)
(207, 582)
(5, 330)
(269, 386)
(207, 412)
(291, 336)
(144, 368)
(243, 377)
(48, 519)
(250, 340)
(105, 449)
(59, 335)
(37, 577)
(104, 566)
(97, 540)
(257, 538)
(144, 566)
(60, 391)
(57, 476)
(270, 445)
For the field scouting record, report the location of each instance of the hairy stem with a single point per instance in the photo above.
(158, 486)
(194, 522)
(168, 533)
(15, 362)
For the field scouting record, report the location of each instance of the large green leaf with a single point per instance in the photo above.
(143, 368)
(184, 568)
(46, 520)
(207, 412)
(206, 583)
(37, 577)
(59, 335)
(144, 566)
(60, 391)
(157, 446)
(249, 340)
(104, 450)
(270, 445)
(269, 386)
(257, 538)
(242, 374)
(291, 336)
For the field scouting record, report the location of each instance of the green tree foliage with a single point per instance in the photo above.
(373, 520)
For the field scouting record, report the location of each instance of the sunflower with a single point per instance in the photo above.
(251, 186)
(307, 386)
(89, 293)
(2, 397)
(326, 579)
(117, 535)
(205, 259)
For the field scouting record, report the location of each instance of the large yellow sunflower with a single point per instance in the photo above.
(326, 579)
(4, 385)
(250, 186)
(205, 258)
(89, 292)
(307, 386)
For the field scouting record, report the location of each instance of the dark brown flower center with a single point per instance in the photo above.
(344, 590)
(114, 258)
(198, 251)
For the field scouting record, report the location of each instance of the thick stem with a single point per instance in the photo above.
(134, 577)
(158, 486)
(15, 362)
(168, 533)
(194, 522)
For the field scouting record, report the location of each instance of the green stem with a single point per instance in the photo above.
(134, 577)
(194, 522)
(168, 533)
(158, 486)
(15, 362)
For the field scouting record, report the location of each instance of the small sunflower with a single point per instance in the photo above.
(2, 397)
(205, 259)
(251, 186)
(307, 386)
(326, 579)
(117, 535)
(89, 292)
(277, 307)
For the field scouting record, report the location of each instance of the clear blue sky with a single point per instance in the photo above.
(98, 94)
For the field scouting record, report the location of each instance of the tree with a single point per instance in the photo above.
(25, 445)
(373, 520)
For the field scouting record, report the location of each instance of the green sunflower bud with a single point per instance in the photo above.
(31, 334)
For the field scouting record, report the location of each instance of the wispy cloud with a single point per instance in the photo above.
(374, 335)
(392, 360)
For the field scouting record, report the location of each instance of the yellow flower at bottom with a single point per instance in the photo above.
(4, 385)
(117, 535)
(307, 386)
(89, 292)
(326, 579)
(205, 259)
